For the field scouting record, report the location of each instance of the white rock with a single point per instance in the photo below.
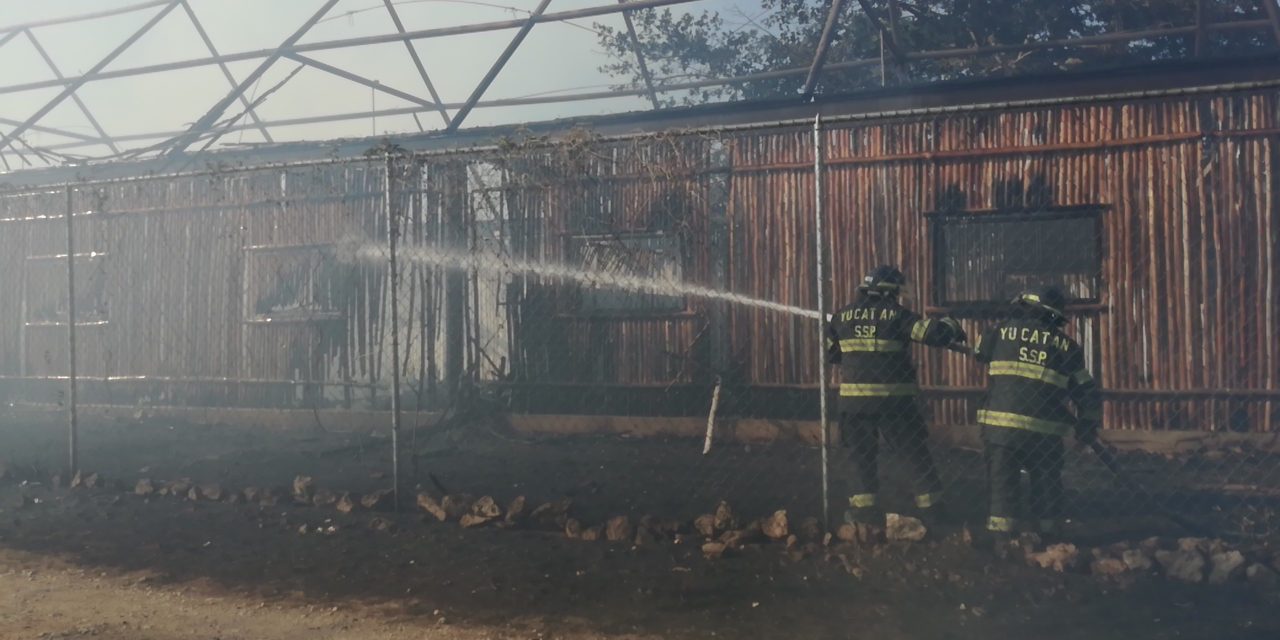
(1059, 557)
(1136, 560)
(1108, 567)
(775, 526)
(1226, 566)
(1261, 575)
(904, 528)
(1184, 565)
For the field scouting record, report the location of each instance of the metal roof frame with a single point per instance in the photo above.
(208, 129)
(70, 85)
(1165, 80)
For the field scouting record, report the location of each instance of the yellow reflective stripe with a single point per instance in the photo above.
(1082, 377)
(927, 500)
(871, 344)
(1028, 370)
(919, 330)
(996, 523)
(862, 500)
(1017, 421)
(904, 389)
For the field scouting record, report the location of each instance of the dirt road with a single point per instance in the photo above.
(49, 599)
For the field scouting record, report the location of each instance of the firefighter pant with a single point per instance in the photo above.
(1008, 452)
(904, 430)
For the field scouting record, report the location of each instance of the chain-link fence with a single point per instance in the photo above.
(633, 322)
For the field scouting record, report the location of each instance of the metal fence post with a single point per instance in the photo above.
(393, 233)
(73, 427)
(822, 336)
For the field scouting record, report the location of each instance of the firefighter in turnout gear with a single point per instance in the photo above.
(1035, 372)
(870, 341)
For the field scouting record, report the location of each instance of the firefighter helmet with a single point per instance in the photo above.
(883, 280)
(1049, 301)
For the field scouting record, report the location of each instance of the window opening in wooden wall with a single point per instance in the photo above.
(613, 257)
(301, 283)
(984, 258)
(46, 290)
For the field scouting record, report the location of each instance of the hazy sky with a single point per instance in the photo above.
(554, 57)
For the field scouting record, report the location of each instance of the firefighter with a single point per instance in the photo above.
(1035, 371)
(869, 339)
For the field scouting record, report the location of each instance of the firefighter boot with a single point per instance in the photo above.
(1000, 533)
(1050, 530)
(931, 510)
(1002, 544)
(865, 515)
(864, 510)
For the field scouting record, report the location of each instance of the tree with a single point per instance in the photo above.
(683, 47)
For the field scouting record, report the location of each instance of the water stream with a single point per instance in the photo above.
(493, 265)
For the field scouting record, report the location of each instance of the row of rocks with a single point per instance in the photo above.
(303, 493)
(210, 492)
(80, 480)
(1188, 560)
(718, 532)
(721, 530)
(471, 512)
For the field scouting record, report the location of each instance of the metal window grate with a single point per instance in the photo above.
(646, 255)
(45, 293)
(293, 283)
(983, 258)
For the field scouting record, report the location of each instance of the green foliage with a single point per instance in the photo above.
(683, 47)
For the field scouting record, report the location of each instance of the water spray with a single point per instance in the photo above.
(489, 265)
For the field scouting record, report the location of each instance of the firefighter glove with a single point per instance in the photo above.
(1087, 431)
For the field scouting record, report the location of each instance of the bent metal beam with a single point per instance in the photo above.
(423, 34)
(71, 85)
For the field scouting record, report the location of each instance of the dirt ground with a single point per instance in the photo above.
(104, 563)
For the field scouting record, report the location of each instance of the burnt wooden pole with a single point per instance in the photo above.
(455, 280)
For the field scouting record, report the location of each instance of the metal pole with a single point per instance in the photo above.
(822, 333)
(393, 233)
(494, 70)
(1273, 14)
(883, 79)
(1201, 36)
(640, 61)
(73, 427)
(210, 118)
(71, 85)
(417, 61)
(226, 72)
(824, 43)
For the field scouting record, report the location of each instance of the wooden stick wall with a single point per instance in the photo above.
(1186, 329)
